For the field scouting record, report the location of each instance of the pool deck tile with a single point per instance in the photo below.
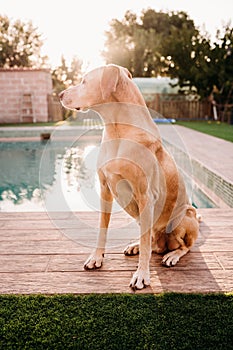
(41, 253)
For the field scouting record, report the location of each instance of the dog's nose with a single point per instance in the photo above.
(61, 95)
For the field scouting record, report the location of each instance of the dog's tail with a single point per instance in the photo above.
(199, 217)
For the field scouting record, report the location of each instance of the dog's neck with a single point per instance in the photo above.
(133, 95)
(125, 120)
(125, 111)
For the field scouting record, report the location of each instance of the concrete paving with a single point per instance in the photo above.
(214, 153)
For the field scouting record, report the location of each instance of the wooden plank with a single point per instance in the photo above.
(57, 247)
(206, 281)
(225, 259)
(92, 216)
(12, 263)
(30, 235)
(42, 247)
(214, 244)
(113, 282)
(15, 263)
(120, 262)
(46, 244)
(76, 223)
(59, 282)
(221, 232)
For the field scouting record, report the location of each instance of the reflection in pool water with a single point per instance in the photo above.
(36, 176)
(56, 176)
(19, 180)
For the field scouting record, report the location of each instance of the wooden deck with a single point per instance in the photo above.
(42, 254)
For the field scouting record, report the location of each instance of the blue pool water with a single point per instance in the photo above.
(59, 175)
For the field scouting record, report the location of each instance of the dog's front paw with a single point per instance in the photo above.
(132, 249)
(140, 279)
(171, 259)
(94, 262)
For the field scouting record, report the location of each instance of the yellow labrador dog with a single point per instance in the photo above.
(136, 171)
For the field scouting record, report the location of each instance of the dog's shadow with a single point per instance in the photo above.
(194, 273)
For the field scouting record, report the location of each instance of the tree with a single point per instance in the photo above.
(204, 67)
(139, 43)
(184, 53)
(221, 66)
(119, 43)
(64, 76)
(20, 44)
(169, 44)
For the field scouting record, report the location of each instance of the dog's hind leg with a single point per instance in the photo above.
(172, 258)
(182, 238)
(96, 258)
(132, 249)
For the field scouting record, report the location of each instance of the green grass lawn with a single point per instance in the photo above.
(166, 321)
(221, 130)
(20, 125)
(28, 124)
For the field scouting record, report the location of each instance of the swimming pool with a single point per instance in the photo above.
(59, 175)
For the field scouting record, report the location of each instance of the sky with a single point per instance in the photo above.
(76, 27)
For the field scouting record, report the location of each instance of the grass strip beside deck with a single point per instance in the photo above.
(165, 321)
(221, 130)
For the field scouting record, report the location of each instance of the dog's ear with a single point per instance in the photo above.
(109, 80)
(129, 75)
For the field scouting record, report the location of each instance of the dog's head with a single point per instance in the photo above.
(101, 85)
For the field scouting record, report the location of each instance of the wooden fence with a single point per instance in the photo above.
(178, 107)
(55, 110)
(167, 105)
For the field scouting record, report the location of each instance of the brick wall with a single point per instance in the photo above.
(16, 82)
